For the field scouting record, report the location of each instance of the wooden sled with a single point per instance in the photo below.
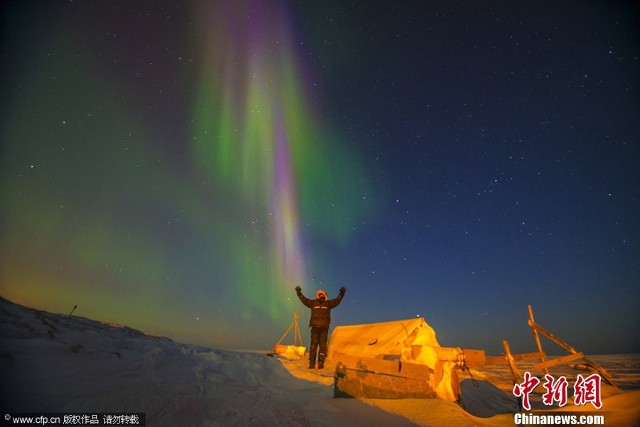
(377, 378)
(381, 379)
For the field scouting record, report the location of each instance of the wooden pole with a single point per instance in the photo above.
(515, 373)
(297, 335)
(284, 335)
(537, 338)
(552, 337)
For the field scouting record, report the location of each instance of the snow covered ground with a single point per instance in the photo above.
(69, 364)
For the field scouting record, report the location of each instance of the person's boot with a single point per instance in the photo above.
(320, 361)
(312, 359)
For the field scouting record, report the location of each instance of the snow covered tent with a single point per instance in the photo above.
(407, 349)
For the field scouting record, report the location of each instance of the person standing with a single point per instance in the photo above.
(319, 322)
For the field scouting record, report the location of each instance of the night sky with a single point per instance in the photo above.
(179, 167)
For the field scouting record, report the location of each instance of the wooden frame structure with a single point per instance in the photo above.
(298, 344)
(545, 362)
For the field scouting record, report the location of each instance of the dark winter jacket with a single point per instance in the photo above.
(320, 310)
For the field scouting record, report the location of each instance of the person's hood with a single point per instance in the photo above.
(321, 292)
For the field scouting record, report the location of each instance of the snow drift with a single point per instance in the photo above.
(58, 363)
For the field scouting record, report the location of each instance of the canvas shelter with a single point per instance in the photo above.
(411, 340)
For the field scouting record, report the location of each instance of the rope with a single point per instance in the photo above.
(462, 362)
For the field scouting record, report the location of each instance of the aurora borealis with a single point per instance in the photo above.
(180, 167)
(140, 216)
(256, 135)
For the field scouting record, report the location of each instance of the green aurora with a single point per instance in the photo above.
(178, 233)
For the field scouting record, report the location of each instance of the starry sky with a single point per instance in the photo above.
(180, 166)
